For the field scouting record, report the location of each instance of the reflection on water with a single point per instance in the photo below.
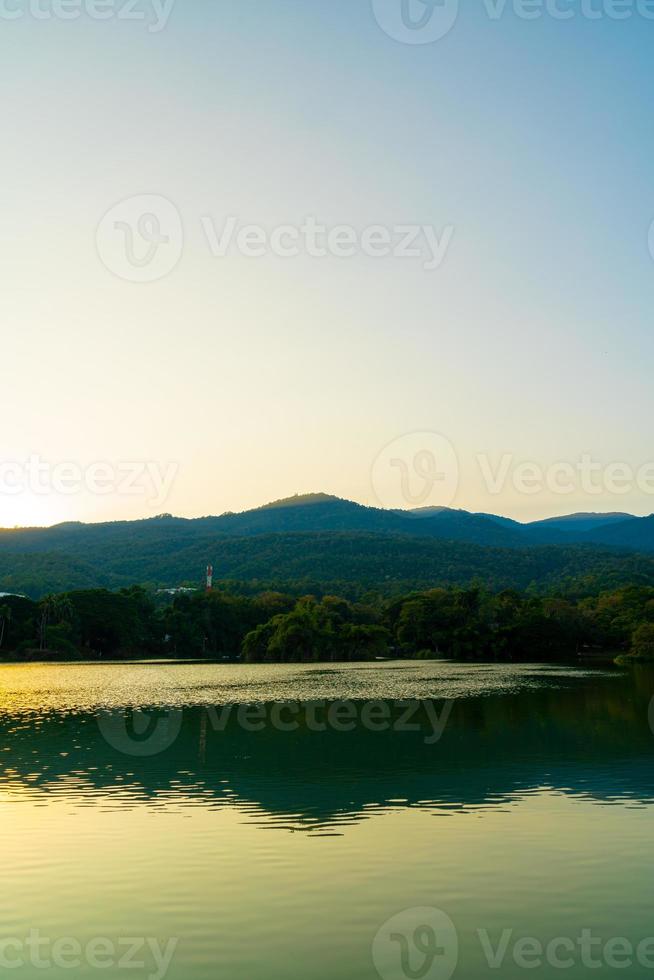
(35, 688)
(304, 823)
(317, 765)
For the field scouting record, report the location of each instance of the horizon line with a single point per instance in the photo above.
(321, 496)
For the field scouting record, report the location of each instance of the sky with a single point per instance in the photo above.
(179, 338)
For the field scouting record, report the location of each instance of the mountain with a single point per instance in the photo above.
(635, 534)
(504, 521)
(343, 563)
(321, 512)
(310, 513)
(581, 522)
(321, 539)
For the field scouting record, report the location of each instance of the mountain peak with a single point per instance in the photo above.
(302, 500)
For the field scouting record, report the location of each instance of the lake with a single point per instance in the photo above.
(393, 820)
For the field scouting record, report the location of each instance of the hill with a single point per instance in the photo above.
(344, 563)
(635, 534)
(324, 541)
(581, 522)
(318, 513)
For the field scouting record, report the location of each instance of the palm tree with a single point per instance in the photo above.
(53, 608)
(47, 606)
(5, 617)
(64, 611)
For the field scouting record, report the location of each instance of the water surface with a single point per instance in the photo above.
(272, 832)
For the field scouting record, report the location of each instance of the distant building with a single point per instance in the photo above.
(188, 590)
(181, 591)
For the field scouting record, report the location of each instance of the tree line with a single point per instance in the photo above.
(470, 623)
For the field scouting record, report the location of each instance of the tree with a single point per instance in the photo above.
(330, 630)
(642, 641)
(5, 617)
(47, 607)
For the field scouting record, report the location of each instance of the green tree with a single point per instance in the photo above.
(642, 641)
(5, 618)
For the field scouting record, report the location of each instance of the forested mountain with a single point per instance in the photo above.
(329, 542)
(321, 512)
(315, 512)
(580, 522)
(636, 534)
(349, 564)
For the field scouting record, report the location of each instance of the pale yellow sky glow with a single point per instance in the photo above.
(261, 377)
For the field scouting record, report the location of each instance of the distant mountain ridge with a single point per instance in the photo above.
(321, 512)
(583, 522)
(319, 538)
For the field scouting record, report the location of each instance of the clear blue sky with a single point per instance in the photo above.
(262, 377)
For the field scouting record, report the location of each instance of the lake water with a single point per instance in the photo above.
(400, 820)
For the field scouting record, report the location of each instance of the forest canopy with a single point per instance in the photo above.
(470, 623)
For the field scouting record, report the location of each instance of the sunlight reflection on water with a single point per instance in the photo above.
(280, 851)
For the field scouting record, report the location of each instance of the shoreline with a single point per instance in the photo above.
(4, 662)
(575, 661)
